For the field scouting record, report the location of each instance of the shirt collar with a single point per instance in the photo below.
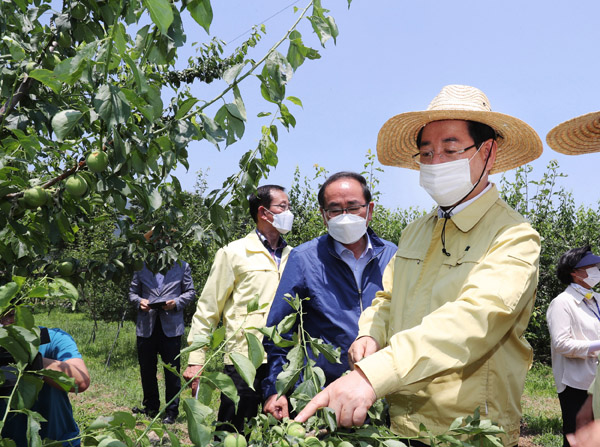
(281, 243)
(340, 248)
(582, 292)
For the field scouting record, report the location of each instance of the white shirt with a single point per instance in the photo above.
(574, 323)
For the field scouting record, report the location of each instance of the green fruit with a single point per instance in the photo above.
(312, 441)
(297, 430)
(97, 161)
(64, 39)
(76, 185)
(35, 197)
(119, 264)
(30, 66)
(78, 11)
(234, 440)
(66, 268)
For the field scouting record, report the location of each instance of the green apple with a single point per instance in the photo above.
(234, 440)
(64, 39)
(35, 197)
(78, 11)
(297, 430)
(76, 185)
(97, 161)
(66, 268)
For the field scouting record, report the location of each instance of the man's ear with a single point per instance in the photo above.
(263, 214)
(323, 216)
(370, 212)
(493, 147)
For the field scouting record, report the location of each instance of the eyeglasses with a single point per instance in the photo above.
(354, 209)
(283, 207)
(426, 157)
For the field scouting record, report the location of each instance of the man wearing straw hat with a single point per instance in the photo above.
(445, 336)
(581, 135)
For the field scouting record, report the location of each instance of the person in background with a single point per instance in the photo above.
(241, 270)
(446, 335)
(579, 136)
(340, 272)
(58, 352)
(574, 323)
(160, 299)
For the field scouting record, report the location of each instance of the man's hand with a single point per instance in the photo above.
(169, 305)
(585, 415)
(588, 436)
(350, 397)
(361, 348)
(144, 305)
(190, 372)
(277, 407)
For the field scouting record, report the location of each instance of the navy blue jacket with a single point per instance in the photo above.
(315, 270)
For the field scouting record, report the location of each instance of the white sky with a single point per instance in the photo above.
(536, 60)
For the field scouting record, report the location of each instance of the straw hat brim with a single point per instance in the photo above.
(397, 140)
(580, 135)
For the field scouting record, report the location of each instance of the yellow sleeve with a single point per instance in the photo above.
(216, 292)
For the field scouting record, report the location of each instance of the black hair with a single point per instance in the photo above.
(568, 261)
(340, 175)
(262, 197)
(479, 132)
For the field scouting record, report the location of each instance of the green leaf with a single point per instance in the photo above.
(224, 383)
(34, 421)
(64, 122)
(124, 419)
(244, 367)
(252, 305)
(111, 442)
(61, 379)
(185, 107)
(287, 323)
(111, 104)
(201, 12)
(138, 75)
(200, 434)
(295, 100)
(154, 200)
(47, 78)
(8, 292)
(27, 391)
(217, 337)
(100, 423)
(330, 352)
(232, 72)
(256, 351)
(160, 13)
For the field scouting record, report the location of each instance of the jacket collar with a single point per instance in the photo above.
(466, 219)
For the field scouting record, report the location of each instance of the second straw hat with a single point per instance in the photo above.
(580, 135)
(518, 143)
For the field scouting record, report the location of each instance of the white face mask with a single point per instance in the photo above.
(449, 182)
(347, 228)
(282, 222)
(593, 276)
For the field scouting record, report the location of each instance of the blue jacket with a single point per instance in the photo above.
(315, 270)
(177, 285)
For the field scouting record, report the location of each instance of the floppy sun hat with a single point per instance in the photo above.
(518, 143)
(580, 135)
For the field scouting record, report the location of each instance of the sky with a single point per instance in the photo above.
(535, 60)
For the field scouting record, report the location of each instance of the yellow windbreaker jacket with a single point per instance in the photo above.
(451, 327)
(240, 270)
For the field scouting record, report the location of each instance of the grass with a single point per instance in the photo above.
(117, 386)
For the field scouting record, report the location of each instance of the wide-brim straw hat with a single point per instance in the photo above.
(518, 143)
(580, 135)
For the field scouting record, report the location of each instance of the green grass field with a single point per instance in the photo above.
(116, 387)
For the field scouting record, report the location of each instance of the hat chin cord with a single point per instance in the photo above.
(446, 213)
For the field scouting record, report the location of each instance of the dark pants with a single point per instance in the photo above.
(571, 400)
(249, 399)
(148, 350)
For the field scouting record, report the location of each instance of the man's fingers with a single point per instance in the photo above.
(321, 400)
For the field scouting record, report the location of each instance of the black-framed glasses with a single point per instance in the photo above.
(354, 209)
(283, 206)
(426, 157)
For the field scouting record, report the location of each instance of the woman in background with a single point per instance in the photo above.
(574, 323)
